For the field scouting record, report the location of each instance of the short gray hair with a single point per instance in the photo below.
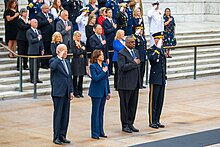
(60, 47)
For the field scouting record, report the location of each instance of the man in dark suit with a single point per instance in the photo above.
(62, 93)
(109, 26)
(98, 41)
(129, 82)
(46, 26)
(157, 80)
(35, 48)
(141, 46)
(64, 26)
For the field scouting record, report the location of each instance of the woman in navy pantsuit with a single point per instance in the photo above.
(99, 91)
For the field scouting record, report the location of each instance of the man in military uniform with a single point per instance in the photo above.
(34, 7)
(114, 5)
(121, 18)
(155, 19)
(141, 46)
(73, 7)
(157, 80)
(129, 12)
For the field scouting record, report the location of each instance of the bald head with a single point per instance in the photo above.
(34, 23)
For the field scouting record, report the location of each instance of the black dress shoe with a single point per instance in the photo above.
(127, 130)
(133, 129)
(81, 96)
(160, 125)
(95, 137)
(64, 140)
(57, 141)
(144, 87)
(155, 126)
(104, 136)
(76, 96)
(39, 81)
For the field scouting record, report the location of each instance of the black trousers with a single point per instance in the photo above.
(110, 66)
(47, 51)
(61, 115)
(116, 75)
(156, 98)
(77, 85)
(31, 63)
(142, 70)
(128, 106)
(22, 50)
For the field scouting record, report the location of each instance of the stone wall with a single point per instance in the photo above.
(182, 10)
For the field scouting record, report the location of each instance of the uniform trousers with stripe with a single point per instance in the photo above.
(156, 98)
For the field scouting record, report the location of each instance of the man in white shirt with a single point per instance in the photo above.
(155, 19)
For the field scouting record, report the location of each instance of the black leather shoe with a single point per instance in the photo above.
(76, 96)
(81, 96)
(39, 81)
(160, 125)
(144, 87)
(155, 126)
(57, 141)
(133, 129)
(95, 137)
(127, 130)
(64, 140)
(104, 136)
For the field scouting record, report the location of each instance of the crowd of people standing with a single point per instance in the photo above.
(94, 33)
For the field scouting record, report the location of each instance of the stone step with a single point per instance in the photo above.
(197, 37)
(190, 74)
(8, 60)
(191, 57)
(191, 68)
(43, 91)
(191, 62)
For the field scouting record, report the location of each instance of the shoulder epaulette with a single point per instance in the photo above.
(134, 37)
(31, 5)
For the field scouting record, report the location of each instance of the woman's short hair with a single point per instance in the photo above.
(22, 10)
(95, 54)
(55, 35)
(120, 31)
(166, 10)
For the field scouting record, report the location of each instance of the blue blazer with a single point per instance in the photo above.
(61, 82)
(99, 86)
(117, 46)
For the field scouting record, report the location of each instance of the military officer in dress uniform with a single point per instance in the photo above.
(122, 18)
(155, 19)
(34, 7)
(114, 5)
(129, 12)
(73, 7)
(157, 80)
(141, 46)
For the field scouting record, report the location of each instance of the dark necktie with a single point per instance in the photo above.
(133, 54)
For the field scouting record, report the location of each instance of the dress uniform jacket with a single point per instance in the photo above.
(130, 20)
(157, 60)
(122, 21)
(114, 5)
(141, 46)
(34, 9)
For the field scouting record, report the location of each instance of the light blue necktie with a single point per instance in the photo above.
(100, 38)
(65, 66)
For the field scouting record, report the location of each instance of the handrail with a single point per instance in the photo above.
(195, 46)
(165, 47)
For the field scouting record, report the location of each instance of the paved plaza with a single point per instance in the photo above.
(191, 107)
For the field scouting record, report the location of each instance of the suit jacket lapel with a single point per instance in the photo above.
(128, 53)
